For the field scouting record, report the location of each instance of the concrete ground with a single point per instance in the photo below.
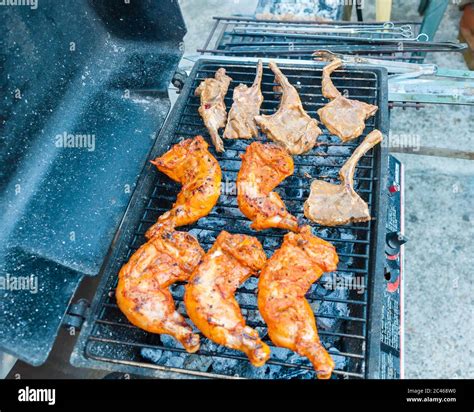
(439, 214)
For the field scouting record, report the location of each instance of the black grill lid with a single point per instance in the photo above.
(93, 74)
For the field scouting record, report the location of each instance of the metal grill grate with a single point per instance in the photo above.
(343, 315)
(238, 36)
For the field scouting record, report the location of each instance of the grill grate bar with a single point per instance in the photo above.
(255, 324)
(309, 297)
(266, 249)
(223, 355)
(276, 102)
(398, 56)
(244, 219)
(292, 74)
(197, 226)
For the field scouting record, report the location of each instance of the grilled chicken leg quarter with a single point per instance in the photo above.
(264, 167)
(290, 126)
(190, 164)
(142, 292)
(343, 117)
(247, 102)
(213, 110)
(283, 283)
(209, 296)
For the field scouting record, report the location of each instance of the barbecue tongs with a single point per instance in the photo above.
(413, 82)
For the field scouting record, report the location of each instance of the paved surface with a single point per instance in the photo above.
(439, 280)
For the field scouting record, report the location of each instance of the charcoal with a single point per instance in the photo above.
(153, 355)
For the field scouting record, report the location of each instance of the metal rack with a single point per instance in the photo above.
(344, 316)
(239, 36)
(387, 43)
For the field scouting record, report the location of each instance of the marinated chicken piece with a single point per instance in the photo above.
(209, 296)
(213, 109)
(290, 126)
(142, 292)
(343, 117)
(190, 164)
(284, 281)
(247, 102)
(338, 204)
(264, 167)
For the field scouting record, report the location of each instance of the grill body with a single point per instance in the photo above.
(347, 320)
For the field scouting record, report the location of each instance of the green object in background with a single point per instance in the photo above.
(422, 6)
(433, 12)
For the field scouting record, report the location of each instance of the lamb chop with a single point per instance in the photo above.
(247, 102)
(343, 117)
(338, 204)
(290, 126)
(212, 109)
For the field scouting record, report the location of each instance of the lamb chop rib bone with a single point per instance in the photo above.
(343, 117)
(338, 204)
(247, 101)
(212, 92)
(290, 126)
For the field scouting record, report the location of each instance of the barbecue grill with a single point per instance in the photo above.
(347, 324)
(361, 341)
